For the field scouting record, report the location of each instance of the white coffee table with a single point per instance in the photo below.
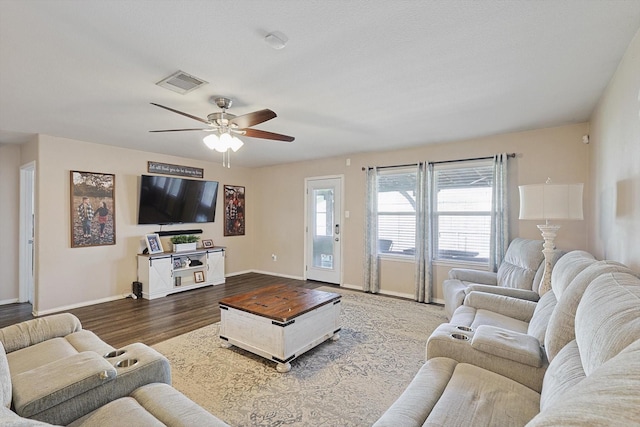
(280, 322)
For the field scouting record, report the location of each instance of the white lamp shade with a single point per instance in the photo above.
(225, 141)
(236, 143)
(551, 201)
(211, 141)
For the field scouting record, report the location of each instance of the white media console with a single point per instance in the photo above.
(169, 272)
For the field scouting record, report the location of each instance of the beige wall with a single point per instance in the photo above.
(67, 277)
(556, 152)
(615, 165)
(9, 190)
(73, 276)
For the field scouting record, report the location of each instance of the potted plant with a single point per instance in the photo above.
(184, 242)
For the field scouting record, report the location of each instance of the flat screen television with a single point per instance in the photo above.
(168, 200)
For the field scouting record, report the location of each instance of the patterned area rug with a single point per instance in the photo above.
(348, 382)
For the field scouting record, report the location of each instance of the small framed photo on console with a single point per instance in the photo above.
(199, 276)
(154, 245)
(207, 243)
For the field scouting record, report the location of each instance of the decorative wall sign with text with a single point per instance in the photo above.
(177, 170)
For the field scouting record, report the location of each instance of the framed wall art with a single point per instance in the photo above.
(234, 219)
(93, 205)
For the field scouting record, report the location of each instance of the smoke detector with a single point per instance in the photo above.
(181, 82)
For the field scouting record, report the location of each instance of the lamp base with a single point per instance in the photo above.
(549, 232)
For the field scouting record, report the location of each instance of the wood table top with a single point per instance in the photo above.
(280, 302)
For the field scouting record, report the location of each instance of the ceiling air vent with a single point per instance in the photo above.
(181, 82)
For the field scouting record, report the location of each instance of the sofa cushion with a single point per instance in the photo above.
(5, 379)
(8, 418)
(520, 264)
(34, 331)
(561, 324)
(476, 397)
(507, 344)
(29, 358)
(181, 412)
(567, 268)
(88, 341)
(49, 385)
(563, 372)
(608, 397)
(603, 330)
(540, 320)
(123, 411)
(414, 405)
(486, 317)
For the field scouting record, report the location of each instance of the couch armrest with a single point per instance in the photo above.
(149, 367)
(33, 331)
(49, 385)
(511, 307)
(501, 290)
(474, 276)
(448, 340)
(521, 348)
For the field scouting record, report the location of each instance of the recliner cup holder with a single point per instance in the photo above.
(461, 337)
(464, 328)
(126, 363)
(115, 353)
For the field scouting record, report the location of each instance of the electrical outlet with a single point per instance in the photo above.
(274, 257)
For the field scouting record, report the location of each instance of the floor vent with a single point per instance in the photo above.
(181, 82)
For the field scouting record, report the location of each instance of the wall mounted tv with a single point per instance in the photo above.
(168, 200)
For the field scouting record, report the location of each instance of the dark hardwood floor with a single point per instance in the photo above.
(127, 321)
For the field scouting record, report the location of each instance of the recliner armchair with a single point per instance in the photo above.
(518, 276)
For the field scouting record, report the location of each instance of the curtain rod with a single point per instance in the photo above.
(435, 163)
(470, 159)
(392, 166)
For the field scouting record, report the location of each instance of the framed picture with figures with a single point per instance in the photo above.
(93, 206)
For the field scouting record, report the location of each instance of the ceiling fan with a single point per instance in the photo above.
(226, 123)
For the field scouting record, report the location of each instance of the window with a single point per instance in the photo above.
(396, 193)
(462, 211)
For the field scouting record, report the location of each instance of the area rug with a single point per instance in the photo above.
(348, 382)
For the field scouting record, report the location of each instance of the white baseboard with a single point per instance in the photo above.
(8, 301)
(238, 273)
(269, 273)
(391, 293)
(82, 304)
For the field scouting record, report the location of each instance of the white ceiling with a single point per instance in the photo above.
(355, 76)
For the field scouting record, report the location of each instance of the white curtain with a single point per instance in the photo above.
(499, 212)
(371, 268)
(424, 233)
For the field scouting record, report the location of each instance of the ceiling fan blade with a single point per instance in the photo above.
(178, 130)
(252, 119)
(255, 133)
(180, 112)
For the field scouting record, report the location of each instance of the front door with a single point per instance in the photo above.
(323, 230)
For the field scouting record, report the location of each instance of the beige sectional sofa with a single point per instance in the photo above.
(578, 365)
(53, 372)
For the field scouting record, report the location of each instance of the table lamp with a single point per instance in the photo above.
(550, 202)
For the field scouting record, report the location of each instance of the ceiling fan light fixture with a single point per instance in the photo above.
(211, 141)
(236, 143)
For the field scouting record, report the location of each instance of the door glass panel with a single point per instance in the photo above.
(323, 228)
